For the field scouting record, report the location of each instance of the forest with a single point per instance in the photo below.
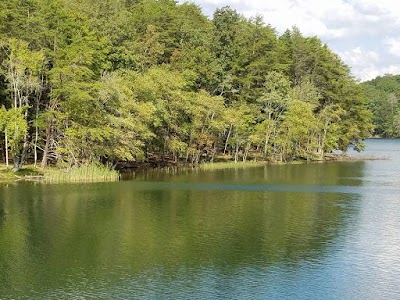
(118, 81)
(383, 94)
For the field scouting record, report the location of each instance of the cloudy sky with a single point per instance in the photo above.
(365, 33)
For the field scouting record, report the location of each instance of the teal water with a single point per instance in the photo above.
(310, 231)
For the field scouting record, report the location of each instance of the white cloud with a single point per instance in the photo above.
(371, 7)
(394, 45)
(358, 56)
(367, 64)
(390, 69)
(364, 63)
(310, 16)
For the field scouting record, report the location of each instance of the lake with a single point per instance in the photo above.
(298, 231)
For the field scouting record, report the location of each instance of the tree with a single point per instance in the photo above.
(21, 69)
(240, 120)
(206, 122)
(14, 126)
(272, 104)
(355, 123)
(165, 90)
(256, 56)
(3, 124)
(127, 121)
(297, 139)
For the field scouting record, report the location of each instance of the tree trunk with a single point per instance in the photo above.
(187, 150)
(16, 163)
(38, 96)
(322, 145)
(267, 136)
(246, 152)
(46, 149)
(213, 153)
(6, 145)
(236, 152)
(198, 153)
(227, 138)
(23, 153)
(35, 146)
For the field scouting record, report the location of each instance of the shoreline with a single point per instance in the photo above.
(140, 166)
(52, 174)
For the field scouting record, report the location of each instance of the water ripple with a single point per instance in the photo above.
(341, 189)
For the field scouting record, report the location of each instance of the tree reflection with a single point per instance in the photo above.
(55, 237)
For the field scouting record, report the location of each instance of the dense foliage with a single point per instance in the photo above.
(383, 94)
(133, 80)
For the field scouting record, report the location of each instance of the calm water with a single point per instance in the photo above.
(312, 231)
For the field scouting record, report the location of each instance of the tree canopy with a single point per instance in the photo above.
(119, 81)
(383, 94)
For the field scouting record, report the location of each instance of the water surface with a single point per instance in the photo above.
(311, 231)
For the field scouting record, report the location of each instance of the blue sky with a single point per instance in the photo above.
(365, 33)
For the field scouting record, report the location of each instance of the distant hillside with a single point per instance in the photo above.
(383, 94)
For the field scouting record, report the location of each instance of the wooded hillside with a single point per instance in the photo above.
(383, 94)
(134, 80)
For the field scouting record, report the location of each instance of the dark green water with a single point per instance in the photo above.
(312, 231)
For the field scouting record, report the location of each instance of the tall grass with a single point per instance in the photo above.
(83, 173)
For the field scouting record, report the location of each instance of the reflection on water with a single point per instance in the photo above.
(313, 231)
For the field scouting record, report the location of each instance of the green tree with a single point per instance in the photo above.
(14, 126)
(256, 56)
(21, 69)
(272, 104)
(297, 138)
(240, 120)
(165, 90)
(127, 121)
(206, 123)
(355, 123)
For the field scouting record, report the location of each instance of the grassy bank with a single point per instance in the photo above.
(7, 175)
(98, 173)
(83, 173)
